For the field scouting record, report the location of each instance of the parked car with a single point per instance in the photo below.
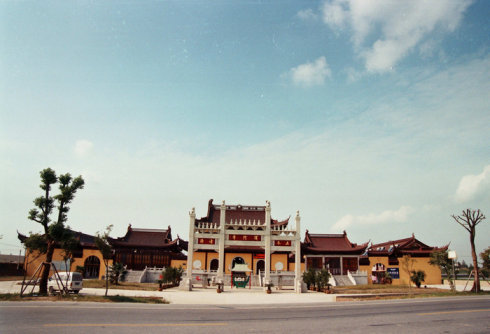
(71, 282)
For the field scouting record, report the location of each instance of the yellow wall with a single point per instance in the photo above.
(230, 256)
(33, 261)
(179, 263)
(432, 273)
(252, 263)
(292, 267)
(283, 258)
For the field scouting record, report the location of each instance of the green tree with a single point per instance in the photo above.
(417, 277)
(442, 260)
(55, 231)
(105, 248)
(469, 219)
(485, 256)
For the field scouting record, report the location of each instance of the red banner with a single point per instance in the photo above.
(282, 242)
(239, 237)
(206, 241)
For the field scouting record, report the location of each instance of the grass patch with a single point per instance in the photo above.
(83, 298)
(97, 283)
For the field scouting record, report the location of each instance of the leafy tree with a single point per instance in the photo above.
(55, 231)
(407, 264)
(469, 219)
(442, 260)
(417, 277)
(102, 242)
(485, 256)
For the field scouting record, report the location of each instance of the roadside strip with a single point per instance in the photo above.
(452, 312)
(140, 325)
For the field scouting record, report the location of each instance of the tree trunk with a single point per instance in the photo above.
(476, 271)
(43, 284)
(106, 276)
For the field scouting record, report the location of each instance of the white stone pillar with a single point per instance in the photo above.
(297, 257)
(221, 246)
(267, 256)
(190, 250)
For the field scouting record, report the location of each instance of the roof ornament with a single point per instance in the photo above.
(268, 204)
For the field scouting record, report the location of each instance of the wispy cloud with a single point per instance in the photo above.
(388, 216)
(307, 14)
(83, 148)
(311, 74)
(472, 185)
(385, 31)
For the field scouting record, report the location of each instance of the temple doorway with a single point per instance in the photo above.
(214, 264)
(91, 267)
(259, 266)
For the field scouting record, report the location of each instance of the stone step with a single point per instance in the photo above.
(133, 276)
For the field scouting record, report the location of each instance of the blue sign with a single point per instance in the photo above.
(394, 272)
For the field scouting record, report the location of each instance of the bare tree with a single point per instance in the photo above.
(469, 219)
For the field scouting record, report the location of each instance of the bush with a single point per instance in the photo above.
(172, 275)
(117, 272)
(309, 277)
(322, 277)
(417, 277)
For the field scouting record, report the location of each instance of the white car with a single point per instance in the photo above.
(71, 282)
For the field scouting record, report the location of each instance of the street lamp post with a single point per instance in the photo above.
(452, 255)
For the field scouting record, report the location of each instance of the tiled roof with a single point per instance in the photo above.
(331, 243)
(237, 213)
(409, 245)
(139, 237)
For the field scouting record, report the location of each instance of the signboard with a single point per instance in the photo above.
(206, 241)
(394, 272)
(238, 237)
(282, 242)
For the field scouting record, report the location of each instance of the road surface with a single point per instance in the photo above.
(424, 315)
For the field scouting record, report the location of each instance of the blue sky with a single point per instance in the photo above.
(368, 116)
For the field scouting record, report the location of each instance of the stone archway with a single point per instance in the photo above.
(91, 267)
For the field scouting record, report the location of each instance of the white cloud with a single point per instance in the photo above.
(398, 26)
(472, 185)
(83, 148)
(307, 14)
(388, 216)
(311, 74)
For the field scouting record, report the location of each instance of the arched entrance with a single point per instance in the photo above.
(259, 266)
(91, 267)
(237, 260)
(214, 264)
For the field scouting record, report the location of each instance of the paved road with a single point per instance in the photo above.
(435, 315)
